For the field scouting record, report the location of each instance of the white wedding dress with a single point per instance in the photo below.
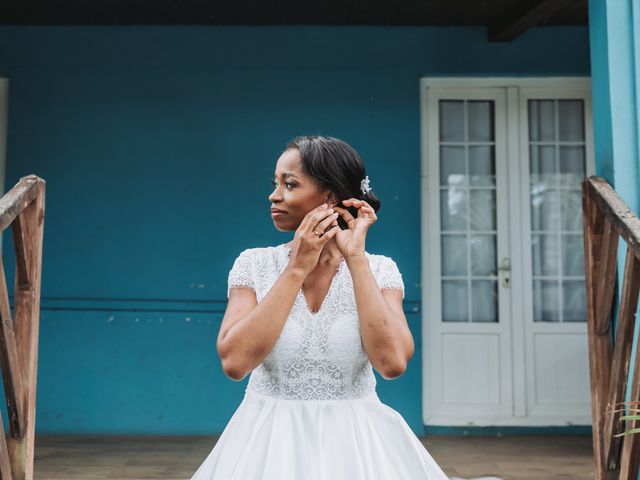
(310, 410)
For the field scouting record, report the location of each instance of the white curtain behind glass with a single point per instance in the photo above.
(557, 167)
(468, 211)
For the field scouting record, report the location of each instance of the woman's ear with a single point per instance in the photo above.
(332, 200)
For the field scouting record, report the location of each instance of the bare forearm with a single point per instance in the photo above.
(252, 338)
(382, 333)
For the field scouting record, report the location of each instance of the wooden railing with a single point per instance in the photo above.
(606, 218)
(22, 208)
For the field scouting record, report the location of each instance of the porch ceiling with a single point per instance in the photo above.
(504, 19)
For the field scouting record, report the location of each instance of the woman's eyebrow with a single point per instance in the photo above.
(287, 174)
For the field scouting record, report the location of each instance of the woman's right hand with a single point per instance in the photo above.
(306, 247)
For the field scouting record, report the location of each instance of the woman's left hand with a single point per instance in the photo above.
(351, 242)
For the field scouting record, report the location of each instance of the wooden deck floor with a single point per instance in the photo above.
(176, 458)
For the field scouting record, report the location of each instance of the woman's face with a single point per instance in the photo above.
(295, 192)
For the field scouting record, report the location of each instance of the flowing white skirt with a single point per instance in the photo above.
(354, 439)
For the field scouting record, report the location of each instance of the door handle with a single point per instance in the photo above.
(505, 266)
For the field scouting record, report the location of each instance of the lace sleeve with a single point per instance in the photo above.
(241, 273)
(390, 276)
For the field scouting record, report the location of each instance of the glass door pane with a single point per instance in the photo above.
(468, 233)
(557, 166)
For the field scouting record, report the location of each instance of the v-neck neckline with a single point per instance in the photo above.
(287, 253)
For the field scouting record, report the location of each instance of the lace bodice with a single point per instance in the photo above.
(318, 356)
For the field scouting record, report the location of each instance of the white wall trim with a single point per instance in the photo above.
(4, 108)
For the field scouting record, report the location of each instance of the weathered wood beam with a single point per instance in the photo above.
(605, 217)
(12, 371)
(624, 221)
(600, 347)
(5, 461)
(524, 15)
(26, 326)
(621, 358)
(607, 268)
(630, 459)
(17, 199)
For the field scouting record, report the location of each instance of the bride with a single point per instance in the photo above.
(309, 321)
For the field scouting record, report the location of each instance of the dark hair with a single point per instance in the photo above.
(336, 166)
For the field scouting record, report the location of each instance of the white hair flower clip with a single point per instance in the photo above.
(364, 185)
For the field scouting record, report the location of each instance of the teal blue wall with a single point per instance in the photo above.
(615, 51)
(158, 145)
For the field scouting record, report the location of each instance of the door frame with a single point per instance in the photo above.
(4, 115)
(516, 89)
(4, 112)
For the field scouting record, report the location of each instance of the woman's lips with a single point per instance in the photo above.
(276, 213)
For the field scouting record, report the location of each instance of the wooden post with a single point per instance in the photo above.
(22, 208)
(606, 218)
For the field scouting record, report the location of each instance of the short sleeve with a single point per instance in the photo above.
(390, 276)
(241, 273)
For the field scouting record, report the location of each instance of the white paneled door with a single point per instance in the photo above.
(504, 309)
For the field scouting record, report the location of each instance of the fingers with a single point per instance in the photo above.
(328, 235)
(312, 217)
(318, 216)
(317, 220)
(358, 204)
(368, 212)
(364, 209)
(355, 202)
(330, 220)
(345, 214)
